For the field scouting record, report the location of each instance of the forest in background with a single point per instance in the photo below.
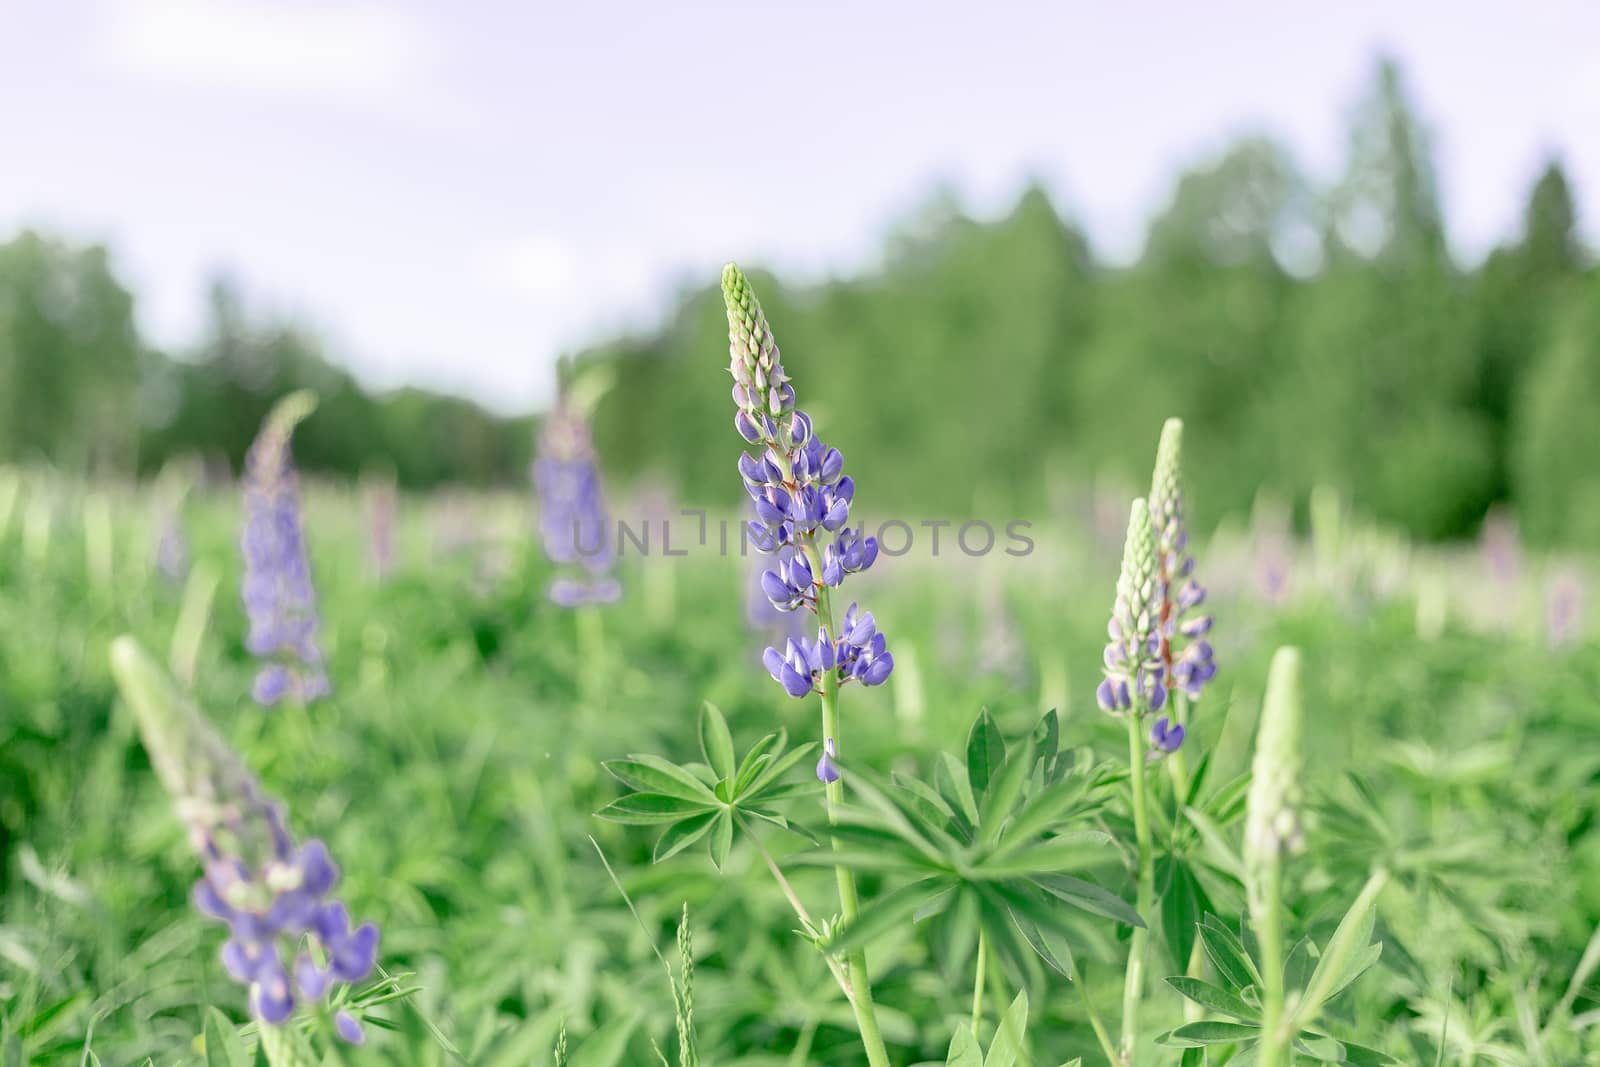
(1308, 335)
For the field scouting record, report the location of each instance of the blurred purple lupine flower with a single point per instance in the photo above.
(1166, 737)
(381, 507)
(573, 520)
(289, 939)
(1186, 653)
(1564, 617)
(801, 498)
(1134, 674)
(277, 591)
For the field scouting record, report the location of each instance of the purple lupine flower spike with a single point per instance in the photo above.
(277, 591)
(275, 896)
(827, 770)
(573, 520)
(801, 498)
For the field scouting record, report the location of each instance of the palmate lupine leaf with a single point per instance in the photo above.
(1321, 975)
(992, 839)
(708, 801)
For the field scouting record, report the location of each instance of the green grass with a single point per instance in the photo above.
(455, 771)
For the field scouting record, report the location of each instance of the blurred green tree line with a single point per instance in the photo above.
(1307, 335)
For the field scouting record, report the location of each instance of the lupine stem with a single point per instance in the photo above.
(849, 902)
(1178, 762)
(977, 981)
(1106, 1044)
(1268, 918)
(799, 909)
(1133, 981)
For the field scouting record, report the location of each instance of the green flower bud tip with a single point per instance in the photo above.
(1136, 583)
(1272, 822)
(1134, 677)
(1166, 488)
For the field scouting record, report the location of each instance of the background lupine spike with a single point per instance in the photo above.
(277, 590)
(1272, 820)
(573, 520)
(290, 941)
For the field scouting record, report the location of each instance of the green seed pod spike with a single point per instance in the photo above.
(1136, 585)
(1166, 487)
(1272, 823)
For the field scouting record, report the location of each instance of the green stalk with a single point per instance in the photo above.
(977, 981)
(1178, 762)
(1100, 1032)
(849, 901)
(1268, 915)
(1133, 980)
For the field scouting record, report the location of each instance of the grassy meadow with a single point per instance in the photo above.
(455, 770)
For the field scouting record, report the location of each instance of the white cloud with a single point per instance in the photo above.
(360, 50)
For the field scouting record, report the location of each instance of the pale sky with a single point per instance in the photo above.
(455, 193)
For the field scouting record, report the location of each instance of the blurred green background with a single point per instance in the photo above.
(1308, 334)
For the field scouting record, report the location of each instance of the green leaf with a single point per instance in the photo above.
(1090, 898)
(1319, 1047)
(715, 741)
(1002, 794)
(1215, 998)
(1043, 811)
(1227, 954)
(1345, 949)
(756, 760)
(1361, 1056)
(650, 809)
(964, 1051)
(1215, 847)
(652, 774)
(1180, 908)
(1194, 1056)
(1362, 963)
(223, 1047)
(1069, 851)
(1208, 1032)
(680, 835)
(1047, 945)
(1047, 742)
(768, 779)
(721, 839)
(986, 750)
(1010, 1040)
(950, 777)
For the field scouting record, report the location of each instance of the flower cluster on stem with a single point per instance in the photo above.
(573, 520)
(277, 591)
(801, 499)
(289, 940)
(1186, 656)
